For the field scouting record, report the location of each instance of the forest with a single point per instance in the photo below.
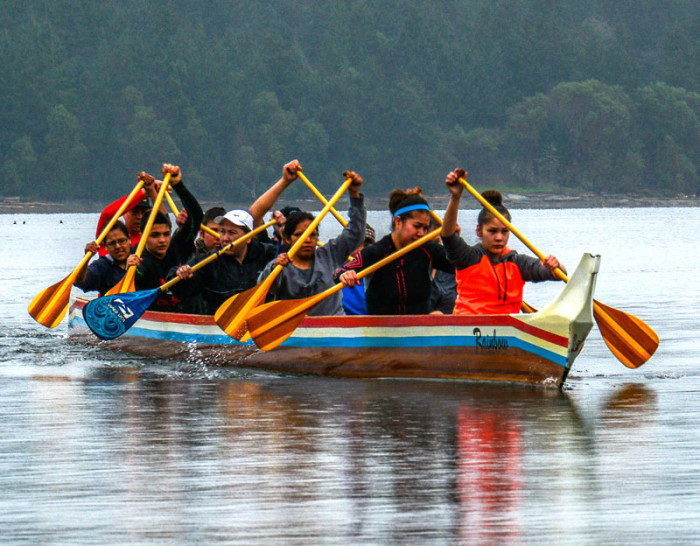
(535, 96)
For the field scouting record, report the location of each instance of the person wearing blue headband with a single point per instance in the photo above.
(403, 286)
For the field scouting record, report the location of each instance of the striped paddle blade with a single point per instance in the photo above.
(629, 338)
(272, 323)
(51, 304)
(231, 315)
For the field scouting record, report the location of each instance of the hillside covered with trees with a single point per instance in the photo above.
(569, 96)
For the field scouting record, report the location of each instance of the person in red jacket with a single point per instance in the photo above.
(137, 207)
(490, 276)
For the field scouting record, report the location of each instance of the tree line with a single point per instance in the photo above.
(535, 95)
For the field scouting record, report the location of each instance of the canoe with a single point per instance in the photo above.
(535, 348)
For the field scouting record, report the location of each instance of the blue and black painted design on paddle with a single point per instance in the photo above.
(110, 316)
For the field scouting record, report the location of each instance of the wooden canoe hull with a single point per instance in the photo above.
(536, 348)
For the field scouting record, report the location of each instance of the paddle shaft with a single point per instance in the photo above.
(108, 228)
(49, 306)
(488, 206)
(215, 255)
(176, 212)
(231, 315)
(128, 279)
(312, 226)
(319, 195)
(110, 224)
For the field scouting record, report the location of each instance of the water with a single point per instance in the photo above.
(100, 447)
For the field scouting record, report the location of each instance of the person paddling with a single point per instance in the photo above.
(136, 209)
(402, 287)
(490, 275)
(106, 271)
(206, 242)
(238, 268)
(163, 250)
(310, 270)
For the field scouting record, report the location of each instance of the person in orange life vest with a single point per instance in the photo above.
(138, 206)
(490, 276)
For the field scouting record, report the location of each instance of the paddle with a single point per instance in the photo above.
(320, 196)
(630, 339)
(50, 305)
(272, 323)
(110, 316)
(231, 315)
(127, 282)
(176, 212)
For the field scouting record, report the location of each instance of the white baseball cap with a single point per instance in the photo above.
(239, 217)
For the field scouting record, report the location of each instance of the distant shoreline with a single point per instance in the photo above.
(512, 200)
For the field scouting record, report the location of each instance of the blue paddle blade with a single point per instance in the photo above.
(110, 316)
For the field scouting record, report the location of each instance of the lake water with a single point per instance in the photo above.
(98, 447)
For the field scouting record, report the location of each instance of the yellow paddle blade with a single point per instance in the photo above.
(51, 304)
(629, 338)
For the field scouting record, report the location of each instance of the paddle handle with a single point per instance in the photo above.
(316, 221)
(215, 255)
(488, 206)
(319, 195)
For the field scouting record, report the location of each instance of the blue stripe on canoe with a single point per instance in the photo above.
(435, 341)
(345, 342)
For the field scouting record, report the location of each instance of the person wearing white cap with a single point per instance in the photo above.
(238, 268)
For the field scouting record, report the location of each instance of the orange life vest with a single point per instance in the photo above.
(484, 288)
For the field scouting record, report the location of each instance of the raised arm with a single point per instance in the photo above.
(267, 200)
(449, 222)
(187, 233)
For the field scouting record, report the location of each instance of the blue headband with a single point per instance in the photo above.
(410, 208)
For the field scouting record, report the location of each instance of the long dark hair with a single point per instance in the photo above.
(495, 199)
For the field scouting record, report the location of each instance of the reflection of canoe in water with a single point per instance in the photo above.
(537, 348)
